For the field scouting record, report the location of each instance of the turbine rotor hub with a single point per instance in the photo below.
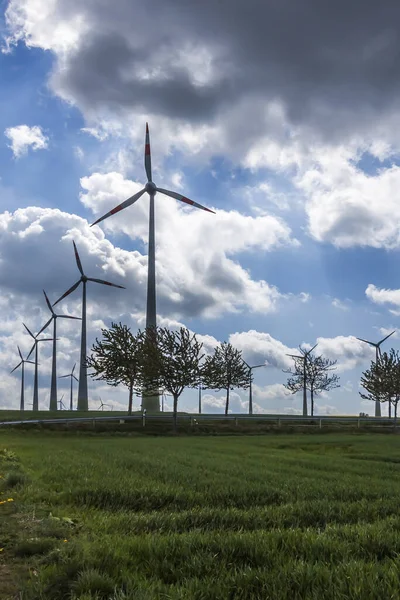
(151, 188)
(84, 278)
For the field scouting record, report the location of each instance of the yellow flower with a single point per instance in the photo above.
(65, 540)
(10, 499)
(2, 501)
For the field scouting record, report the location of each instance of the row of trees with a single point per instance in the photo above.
(163, 359)
(382, 381)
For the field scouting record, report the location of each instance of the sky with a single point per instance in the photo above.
(282, 118)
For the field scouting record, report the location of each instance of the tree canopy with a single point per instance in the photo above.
(225, 370)
(382, 380)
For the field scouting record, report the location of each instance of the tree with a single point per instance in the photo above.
(315, 370)
(382, 380)
(117, 359)
(225, 370)
(171, 361)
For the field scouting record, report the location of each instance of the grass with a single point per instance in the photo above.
(261, 517)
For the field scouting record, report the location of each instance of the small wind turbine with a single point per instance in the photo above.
(251, 384)
(71, 405)
(35, 405)
(102, 405)
(83, 403)
(304, 357)
(61, 403)
(378, 354)
(54, 317)
(151, 401)
(23, 361)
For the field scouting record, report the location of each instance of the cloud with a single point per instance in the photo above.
(347, 350)
(259, 347)
(23, 138)
(329, 70)
(336, 303)
(383, 296)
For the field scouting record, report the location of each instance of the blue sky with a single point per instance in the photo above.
(304, 183)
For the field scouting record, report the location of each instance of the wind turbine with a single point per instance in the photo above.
(378, 354)
(23, 361)
(82, 389)
(102, 405)
(71, 405)
(152, 401)
(304, 357)
(35, 405)
(54, 317)
(251, 384)
(61, 403)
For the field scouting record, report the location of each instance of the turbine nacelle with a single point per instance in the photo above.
(151, 188)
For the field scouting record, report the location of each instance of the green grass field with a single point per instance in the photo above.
(202, 518)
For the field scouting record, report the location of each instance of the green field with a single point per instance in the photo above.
(205, 518)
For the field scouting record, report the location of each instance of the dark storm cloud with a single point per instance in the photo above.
(331, 64)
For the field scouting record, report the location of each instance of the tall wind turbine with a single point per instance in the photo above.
(35, 404)
(54, 317)
(23, 361)
(71, 404)
(82, 389)
(151, 403)
(304, 357)
(377, 346)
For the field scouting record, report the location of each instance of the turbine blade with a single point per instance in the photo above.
(29, 331)
(309, 351)
(68, 292)
(147, 154)
(184, 199)
(29, 361)
(366, 342)
(32, 349)
(385, 338)
(73, 369)
(68, 317)
(46, 325)
(121, 206)
(48, 303)
(19, 352)
(76, 379)
(78, 260)
(62, 376)
(15, 368)
(106, 283)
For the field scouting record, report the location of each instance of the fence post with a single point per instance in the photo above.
(94, 424)
(279, 422)
(358, 423)
(144, 420)
(236, 421)
(320, 423)
(191, 421)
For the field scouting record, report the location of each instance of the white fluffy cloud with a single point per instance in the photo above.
(383, 296)
(23, 138)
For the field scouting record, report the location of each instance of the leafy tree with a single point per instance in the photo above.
(171, 361)
(317, 375)
(117, 359)
(382, 380)
(225, 370)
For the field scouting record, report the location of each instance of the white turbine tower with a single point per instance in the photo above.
(35, 403)
(83, 404)
(150, 402)
(54, 317)
(72, 376)
(304, 357)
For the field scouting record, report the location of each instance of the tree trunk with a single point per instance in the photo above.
(227, 401)
(130, 399)
(395, 416)
(312, 401)
(176, 397)
(390, 409)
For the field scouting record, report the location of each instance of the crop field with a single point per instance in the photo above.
(285, 517)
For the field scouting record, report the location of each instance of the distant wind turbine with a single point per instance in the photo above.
(377, 346)
(61, 403)
(71, 404)
(83, 403)
(151, 402)
(35, 404)
(304, 357)
(102, 405)
(23, 361)
(54, 317)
